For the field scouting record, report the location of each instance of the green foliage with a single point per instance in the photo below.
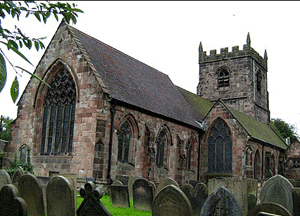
(118, 211)
(5, 128)
(27, 167)
(15, 39)
(285, 129)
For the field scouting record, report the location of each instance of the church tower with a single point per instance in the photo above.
(238, 77)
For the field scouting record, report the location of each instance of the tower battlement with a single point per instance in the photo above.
(224, 54)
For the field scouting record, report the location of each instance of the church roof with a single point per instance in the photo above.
(133, 82)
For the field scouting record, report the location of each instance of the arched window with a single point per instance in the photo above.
(258, 81)
(124, 137)
(223, 77)
(162, 147)
(59, 115)
(257, 165)
(219, 148)
(191, 154)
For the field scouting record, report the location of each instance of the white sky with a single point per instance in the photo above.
(166, 36)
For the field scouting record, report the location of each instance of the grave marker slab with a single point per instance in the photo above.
(278, 190)
(91, 205)
(165, 182)
(60, 197)
(4, 178)
(31, 191)
(197, 196)
(17, 174)
(171, 201)
(143, 194)
(269, 208)
(296, 201)
(119, 196)
(10, 203)
(221, 202)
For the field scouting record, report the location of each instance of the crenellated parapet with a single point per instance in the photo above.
(224, 54)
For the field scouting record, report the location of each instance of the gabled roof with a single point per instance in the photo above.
(256, 129)
(133, 82)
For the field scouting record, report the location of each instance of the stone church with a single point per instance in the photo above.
(107, 114)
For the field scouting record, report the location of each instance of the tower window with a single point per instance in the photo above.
(223, 78)
(258, 81)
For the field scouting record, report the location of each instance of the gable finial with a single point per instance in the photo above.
(248, 39)
(200, 47)
(266, 55)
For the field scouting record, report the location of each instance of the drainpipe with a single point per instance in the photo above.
(199, 145)
(262, 163)
(112, 115)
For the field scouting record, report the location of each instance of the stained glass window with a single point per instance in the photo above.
(160, 148)
(124, 142)
(59, 115)
(219, 148)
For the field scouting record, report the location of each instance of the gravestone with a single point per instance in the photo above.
(4, 178)
(10, 203)
(251, 202)
(278, 190)
(119, 196)
(221, 202)
(296, 201)
(269, 209)
(17, 175)
(131, 180)
(197, 196)
(31, 191)
(194, 182)
(171, 201)
(60, 197)
(91, 205)
(165, 182)
(117, 182)
(143, 194)
(123, 178)
(153, 187)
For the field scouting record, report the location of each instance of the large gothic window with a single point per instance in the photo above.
(219, 148)
(223, 77)
(124, 137)
(59, 115)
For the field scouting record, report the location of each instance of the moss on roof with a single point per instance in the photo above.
(200, 105)
(257, 129)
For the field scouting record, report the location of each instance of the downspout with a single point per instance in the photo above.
(112, 115)
(201, 133)
(262, 163)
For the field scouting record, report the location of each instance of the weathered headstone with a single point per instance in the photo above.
(194, 182)
(123, 178)
(17, 175)
(143, 194)
(131, 180)
(10, 203)
(296, 201)
(171, 201)
(117, 182)
(165, 182)
(4, 178)
(31, 191)
(119, 196)
(278, 190)
(91, 205)
(197, 196)
(60, 197)
(251, 202)
(269, 209)
(221, 202)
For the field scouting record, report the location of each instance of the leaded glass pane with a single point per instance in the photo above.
(72, 126)
(124, 142)
(45, 117)
(65, 127)
(51, 128)
(160, 149)
(58, 128)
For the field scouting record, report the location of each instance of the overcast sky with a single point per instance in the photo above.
(166, 36)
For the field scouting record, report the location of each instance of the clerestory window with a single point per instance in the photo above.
(59, 115)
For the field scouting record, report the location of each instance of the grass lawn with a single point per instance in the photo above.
(117, 211)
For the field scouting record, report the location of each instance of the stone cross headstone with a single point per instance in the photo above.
(91, 205)
(164, 182)
(278, 190)
(221, 202)
(119, 196)
(17, 175)
(269, 209)
(143, 194)
(4, 178)
(171, 201)
(31, 191)
(10, 203)
(197, 196)
(60, 197)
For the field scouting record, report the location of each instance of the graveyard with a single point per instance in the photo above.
(25, 194)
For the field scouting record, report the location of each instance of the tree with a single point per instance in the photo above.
(15, 39)
(286, 130)
(5, 124)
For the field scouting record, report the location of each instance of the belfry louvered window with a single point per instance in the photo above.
(59, 115)
(223, 78)
(219, 148)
